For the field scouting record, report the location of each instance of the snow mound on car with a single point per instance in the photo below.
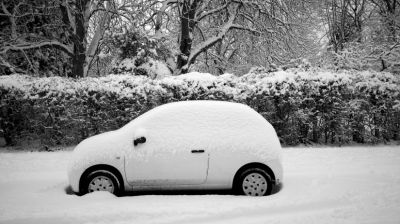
(232, 133)
(210, 125)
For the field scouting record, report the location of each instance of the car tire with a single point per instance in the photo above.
(254, 182)
(102, 180)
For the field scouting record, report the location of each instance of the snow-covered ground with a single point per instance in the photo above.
(321, 185)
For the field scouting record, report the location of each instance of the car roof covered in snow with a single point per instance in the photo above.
(211, 107)
(216, 125)
(216, 105)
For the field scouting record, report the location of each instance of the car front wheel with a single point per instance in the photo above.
(102, 180)
(254, 182)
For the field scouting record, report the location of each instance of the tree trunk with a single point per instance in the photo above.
(11, 18)
(186, 39)
(76, 19)
(391, 8)
(79, 39)
(105, 18)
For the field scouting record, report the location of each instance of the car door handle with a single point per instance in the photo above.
(198, 151)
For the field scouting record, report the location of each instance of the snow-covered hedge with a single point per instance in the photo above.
(304, 106)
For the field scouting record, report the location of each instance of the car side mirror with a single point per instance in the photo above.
(139, 140)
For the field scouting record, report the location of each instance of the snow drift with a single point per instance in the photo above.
(322, 185)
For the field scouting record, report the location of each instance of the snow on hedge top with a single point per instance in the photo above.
(198, 77)
(278, 83)
(294, 81)
(203, 79)
(154, 68)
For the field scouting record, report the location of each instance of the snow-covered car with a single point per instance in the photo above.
(184, 145)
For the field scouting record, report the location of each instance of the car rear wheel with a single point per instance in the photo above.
(102, 180)
(254, 182)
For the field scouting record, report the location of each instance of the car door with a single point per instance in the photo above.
(173, 154)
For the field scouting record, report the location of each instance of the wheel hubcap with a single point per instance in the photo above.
(101, 183)
(254, 184)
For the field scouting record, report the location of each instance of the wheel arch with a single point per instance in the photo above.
(253, 165)
(106, 167)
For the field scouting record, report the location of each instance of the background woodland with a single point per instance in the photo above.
(324, 72)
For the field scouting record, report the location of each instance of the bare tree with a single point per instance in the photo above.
(75, 27)
(390, 12)
(280, 45)
(203, 23)
(345, 20)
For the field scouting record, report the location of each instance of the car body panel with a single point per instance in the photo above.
(230, 134)
(182, 167)
(104, 149)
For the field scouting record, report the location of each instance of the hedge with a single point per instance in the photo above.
(305, 107)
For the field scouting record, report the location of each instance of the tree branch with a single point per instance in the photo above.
(205, 14)
(211, 41)
(12, 21)
(239, 27)
(26, 46)
(160, 13)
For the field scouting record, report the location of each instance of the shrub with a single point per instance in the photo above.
(313, 106)
(140, 55)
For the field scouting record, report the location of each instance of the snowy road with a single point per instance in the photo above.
(324, 185)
